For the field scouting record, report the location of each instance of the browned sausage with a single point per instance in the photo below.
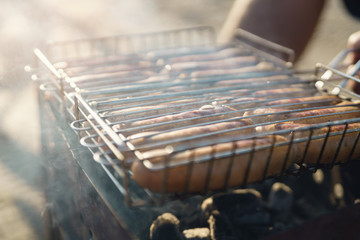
(179, 51)
(304, 102)
(345, 112)
(151, 110)
(288, 92)
(240, 102)
(220, 54)
(316, 151)
(201, 65)
(93, 61)
(262, 66)
(155, 78)
(194, 131)
(133, 112)
(148, 175)
(105, 68)
(261, 115)
(319, 115)
(123, 75)
(235, 81)
(205, 111)
(283, 91)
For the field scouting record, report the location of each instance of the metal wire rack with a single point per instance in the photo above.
(106, 84)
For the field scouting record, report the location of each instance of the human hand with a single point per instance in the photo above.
(353, 57)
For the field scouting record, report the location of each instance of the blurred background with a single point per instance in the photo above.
(25, 25)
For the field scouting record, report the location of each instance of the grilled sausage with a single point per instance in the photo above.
(200, 65)
(133, 112)
(122, 76)
(155, 109)
(98, 60)
(177, 52)
(194, 131)
(204, 168)
(220, 54)
(205, 111)
(262, 66)
(239, 102)
(304, 102)
(102, 68)
(321, 149)
(328, 150)
(155, 78)
(326, 114)
(289, 91)
(272, 79)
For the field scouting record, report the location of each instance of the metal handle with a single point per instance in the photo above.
(334, 88)
(338, 89)
(249, 38)
(352, 72)
(336, 62)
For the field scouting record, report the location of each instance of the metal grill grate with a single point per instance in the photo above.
(177, 104)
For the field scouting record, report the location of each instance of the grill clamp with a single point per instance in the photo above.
(329, 80)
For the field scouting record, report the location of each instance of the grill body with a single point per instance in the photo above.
(78, 192)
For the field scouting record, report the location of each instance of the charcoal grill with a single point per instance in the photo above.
(92, 91)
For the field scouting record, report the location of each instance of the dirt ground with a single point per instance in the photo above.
(28, 24)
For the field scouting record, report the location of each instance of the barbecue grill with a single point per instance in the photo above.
(187, 112)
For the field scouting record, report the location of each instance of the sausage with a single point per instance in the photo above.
(316, 151)
(346, 112)
(308, 116)
(93, 61)
(220, 54)
(148, 110)
(194, 131)
(262, 66)
(331, 151)
(304, 102)
(133, 112)
(293, 103)
(226, 171)
(239, 92)
(200, 65)
(123, 75)
(239, 102)
(283, 91)
(261, 115)
(271, 79)
(177, 52)
(119, 67)
(171, 106)
(205, 111)
(155, 78)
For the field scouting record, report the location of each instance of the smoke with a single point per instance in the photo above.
(25, 25)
